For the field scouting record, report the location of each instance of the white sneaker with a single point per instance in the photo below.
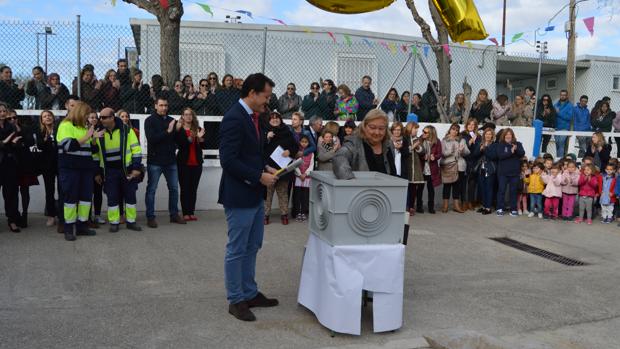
(531, 214)
(526, 212)
(540, 215)
(519, 212)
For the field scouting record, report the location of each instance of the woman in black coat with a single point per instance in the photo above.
(277, 134)
(55, 94)
(190, 141)
(547, 114)
(205, 102)
(227, 95)
(48, 162)
(8, 168)
(27, 163)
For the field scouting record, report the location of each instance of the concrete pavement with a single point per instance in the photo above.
(164, 288)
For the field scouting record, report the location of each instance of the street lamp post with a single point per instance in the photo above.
(541, 47)
(47, 31)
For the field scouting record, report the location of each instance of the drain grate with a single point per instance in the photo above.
(538, 252)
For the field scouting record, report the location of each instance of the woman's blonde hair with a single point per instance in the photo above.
(600, 137)
(345, 89)
(194, 127)
(373, 115)
(78, 116)
(484, 134)
(106, 78)
(432, 134)
(43, 128)
(409, 128)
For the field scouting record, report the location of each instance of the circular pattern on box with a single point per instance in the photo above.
(321, 207)
(369, 213)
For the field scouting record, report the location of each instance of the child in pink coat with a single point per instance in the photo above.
(588, 190)
(552, 192)
(570, 188)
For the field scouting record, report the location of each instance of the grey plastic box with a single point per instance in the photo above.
(369, 209)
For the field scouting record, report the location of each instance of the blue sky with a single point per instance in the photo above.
(523, 16)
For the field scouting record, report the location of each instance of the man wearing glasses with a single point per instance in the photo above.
(289, 102)
(121, 168)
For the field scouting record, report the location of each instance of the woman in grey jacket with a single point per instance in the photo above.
(368, 149)
(454, 148)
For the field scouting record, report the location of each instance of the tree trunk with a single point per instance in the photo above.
(169, 31)
(443, 69)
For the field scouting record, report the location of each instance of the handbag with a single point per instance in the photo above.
(449, 172)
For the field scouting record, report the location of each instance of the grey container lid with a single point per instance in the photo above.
(362, 179)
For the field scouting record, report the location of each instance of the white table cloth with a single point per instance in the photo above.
(333, 277)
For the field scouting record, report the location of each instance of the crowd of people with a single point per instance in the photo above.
(95, 149)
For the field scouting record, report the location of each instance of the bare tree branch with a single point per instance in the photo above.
(424, 27)
(150, 6)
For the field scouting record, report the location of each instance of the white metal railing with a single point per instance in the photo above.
(524, 134)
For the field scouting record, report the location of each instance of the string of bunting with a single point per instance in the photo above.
(393, 48)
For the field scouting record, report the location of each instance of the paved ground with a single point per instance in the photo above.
(164, 288)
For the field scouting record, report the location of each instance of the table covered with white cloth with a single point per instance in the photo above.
(333, 277)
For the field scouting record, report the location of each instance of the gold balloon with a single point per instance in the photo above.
(461, 19)
(351, 6)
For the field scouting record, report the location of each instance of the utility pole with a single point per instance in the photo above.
(504, 26)
(570, 55)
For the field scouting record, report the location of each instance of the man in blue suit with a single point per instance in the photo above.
(241, 192)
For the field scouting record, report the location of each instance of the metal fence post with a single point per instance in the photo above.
(79, 63)
(264, 50)
(412, 79)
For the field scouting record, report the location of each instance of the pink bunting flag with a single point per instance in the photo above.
(589, 22)
(404, 48)
(332, 36)
(384, 44)
(446, 49)
(279, 21)
(494, 40)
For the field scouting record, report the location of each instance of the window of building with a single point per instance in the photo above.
(351, 67)
(198, 60)
(616, 83)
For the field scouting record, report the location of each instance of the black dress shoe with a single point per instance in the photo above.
(69, 236)
(261, 301)
(86, 232)
(241, 311)
(133, 226)
(431, 209)
(114, 228)
(420, 210)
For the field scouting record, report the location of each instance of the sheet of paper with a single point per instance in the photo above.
(277, 157)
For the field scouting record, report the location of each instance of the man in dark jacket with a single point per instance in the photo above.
(160, 131)
(122, 72)
(242, 189)
(365, 97)
(10, 92)
(136, 97)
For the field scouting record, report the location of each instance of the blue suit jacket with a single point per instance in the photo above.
(241, 157)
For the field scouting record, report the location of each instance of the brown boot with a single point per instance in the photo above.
(444, 208)
(457, 206)
(466, 206)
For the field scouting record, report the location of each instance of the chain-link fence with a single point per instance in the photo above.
(287, 54)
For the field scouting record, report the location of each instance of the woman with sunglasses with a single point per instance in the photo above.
(430, 155)
(311, 104)
(547, 114)
(176, 99)
(9, 140)
(214, 83)
(327, 101)
(289, 102)
(205, 102)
